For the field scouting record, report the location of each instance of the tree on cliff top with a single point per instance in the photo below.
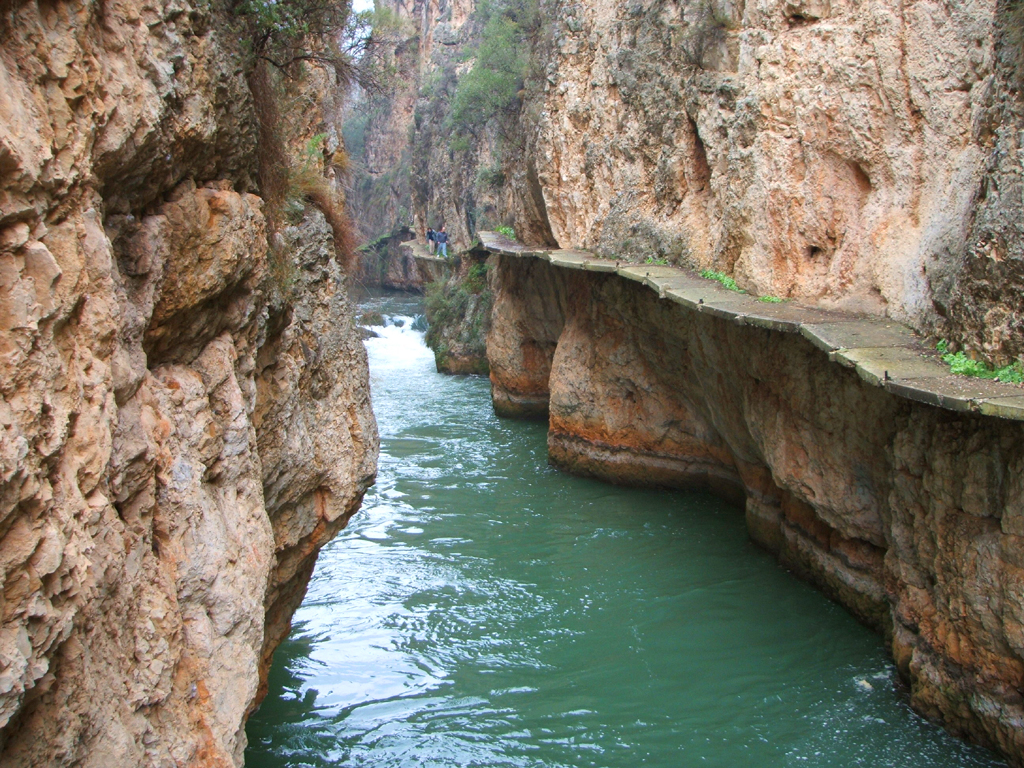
(286, 38)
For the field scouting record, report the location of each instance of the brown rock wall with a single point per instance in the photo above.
(856, 156)
(984, 306)
(157, 524)
(399, 263)
(316, 433)
(903, 512)
(828, 154)
(526, 323)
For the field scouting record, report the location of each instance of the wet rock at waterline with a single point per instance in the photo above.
(485, 609)
(905, 513)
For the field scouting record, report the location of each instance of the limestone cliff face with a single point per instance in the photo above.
(823, 151)
(397, 262)
(157, 523)
(408, 176)
(907, 514)
(985, 310)
(855, 156)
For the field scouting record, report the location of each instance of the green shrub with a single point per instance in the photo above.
(446, 304)
(505, 231)
(440, 354)
(491, 176)
(656, 261)
(959, 363)
(491, 87)
(289, 34)
(721, 277)
(770, 299)
(476, 278)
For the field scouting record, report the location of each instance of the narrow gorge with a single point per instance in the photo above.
(752, 250)
(748, 277)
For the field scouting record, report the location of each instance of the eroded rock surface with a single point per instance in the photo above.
(907, 514)
(157, 525)
(862, 157)
(822, 151)
(399, 263)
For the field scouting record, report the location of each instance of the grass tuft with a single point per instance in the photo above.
(721, 277)
(961, 364)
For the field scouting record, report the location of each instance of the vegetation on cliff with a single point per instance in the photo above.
(490, 90)
(458, 311)
(960, 363)
(296, 48)
(465, 85)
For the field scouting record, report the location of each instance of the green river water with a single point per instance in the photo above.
(483, 609)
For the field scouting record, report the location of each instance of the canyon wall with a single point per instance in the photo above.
(458, 313)
(399, 263)
(908, 514)
(860, 156)
(185, 411)
(407, 175)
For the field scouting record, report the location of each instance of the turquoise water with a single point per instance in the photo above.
(485, 610)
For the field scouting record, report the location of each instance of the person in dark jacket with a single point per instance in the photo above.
(430, 239)
(442, 242)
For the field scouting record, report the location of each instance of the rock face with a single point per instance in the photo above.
(822, 151)
(985, 312)
(909, 515)
(399, 263)
(459, 316)
(158, 524)
(407, 175)
(857, 157)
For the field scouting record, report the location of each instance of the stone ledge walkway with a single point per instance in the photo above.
(883, 352)
(419, 251)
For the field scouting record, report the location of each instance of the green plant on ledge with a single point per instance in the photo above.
(658, 262)
(721, 277)
(770, 299)
(961, 364)
(506, 232)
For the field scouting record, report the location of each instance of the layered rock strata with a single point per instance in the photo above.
(850, 469)
(175, 446)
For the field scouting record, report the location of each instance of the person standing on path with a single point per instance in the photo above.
(430, 240)
(442, 242)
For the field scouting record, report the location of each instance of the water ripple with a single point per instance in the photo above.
(485, 610)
